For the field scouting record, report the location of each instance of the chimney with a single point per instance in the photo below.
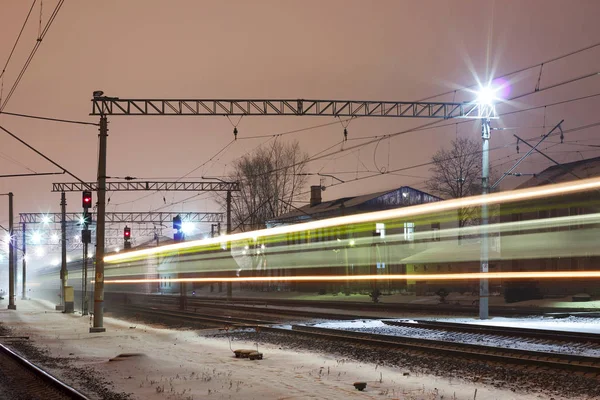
(315, 195)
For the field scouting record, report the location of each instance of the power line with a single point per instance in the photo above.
(431, 125)
(520, 70)
(431, 162)
(17, 41)
(12, 160)
(38, 42)
(38, 153)
(68, 121)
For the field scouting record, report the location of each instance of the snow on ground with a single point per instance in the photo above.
(485, 339)
(572, 323)
(569, 324)
(181, 364)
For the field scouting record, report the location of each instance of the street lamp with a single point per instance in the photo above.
(487, 97)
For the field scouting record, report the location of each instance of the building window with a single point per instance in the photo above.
(409, 231)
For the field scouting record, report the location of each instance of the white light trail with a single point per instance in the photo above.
(541, 192)
(416, 277)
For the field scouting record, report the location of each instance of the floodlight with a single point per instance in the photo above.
(36, 238)
(487, 96)
(187, 227)
(45, 219)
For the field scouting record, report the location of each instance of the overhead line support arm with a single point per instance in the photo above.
(264, 107)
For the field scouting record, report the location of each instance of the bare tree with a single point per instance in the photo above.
(456, 172)
(269, 179)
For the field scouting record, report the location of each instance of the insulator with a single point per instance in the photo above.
(235, 132)
(345, 134)
(562, 136)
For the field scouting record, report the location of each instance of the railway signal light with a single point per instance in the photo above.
(127, 237)
(86, 200)
(177, 229)
(86, 236)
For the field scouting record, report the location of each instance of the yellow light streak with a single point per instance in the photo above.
(422, 277)
(446, 205)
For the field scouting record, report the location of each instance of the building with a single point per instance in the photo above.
(385, 200)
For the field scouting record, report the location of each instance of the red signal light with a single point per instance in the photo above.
(127, 233)
(86, 199)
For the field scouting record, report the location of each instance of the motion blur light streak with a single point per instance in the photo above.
(446, 205)
(437, 277)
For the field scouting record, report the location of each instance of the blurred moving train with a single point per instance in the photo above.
(408, 249)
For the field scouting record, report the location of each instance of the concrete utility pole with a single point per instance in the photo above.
(11, 256)
(100, 225)
(63, 250)
(485, 176)
(24, 280)
(84, 302)
(229, 284)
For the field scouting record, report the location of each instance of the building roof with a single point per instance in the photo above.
(565, 172)
(400, 197)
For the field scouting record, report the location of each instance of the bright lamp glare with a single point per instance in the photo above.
(487, 96)
(187, 227)
(54, 238)
(36, 238)
(45, 219)
(39, 252)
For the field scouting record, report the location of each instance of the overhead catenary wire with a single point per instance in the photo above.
(16, 42)
(431, 162)
(16, 162)
(32, 54)
(540, 64)
(39, 153)
(68, 121)
(433, 125)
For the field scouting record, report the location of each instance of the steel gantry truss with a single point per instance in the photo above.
(103, 106)
(331, 108)
(124, 217)
(127, 186)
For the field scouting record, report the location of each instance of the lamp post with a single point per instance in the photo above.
(486, 99)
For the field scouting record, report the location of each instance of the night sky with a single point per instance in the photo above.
(313, 49)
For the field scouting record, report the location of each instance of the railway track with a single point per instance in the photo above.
(357, 306)
(195, 318)
(21, 379)
(280, 311)
(463, 350)
(549, 335)
(431, 347)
